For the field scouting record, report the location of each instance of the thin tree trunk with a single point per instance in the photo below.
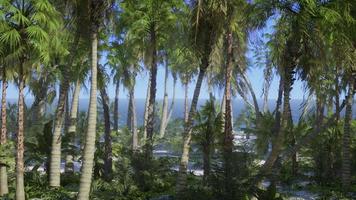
(206, 161)
(346, 140)
(337, 95)
(145, 117)
(171, 108)
(107, 135)
(129, 113)
(89, 148)
(55, 163)
(228, 136)
(3, 139)
(133, 120)
(38, 106)
(254, 98)
(165, 104)
(74, 108)
(72, 128)
(186, 104)
(267, 83)
(182, 173)
(279, 140)
(116, 106)
(223, 111)
(152, 99)
(20, 168)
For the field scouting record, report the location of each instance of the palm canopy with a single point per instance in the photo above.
(28, 30)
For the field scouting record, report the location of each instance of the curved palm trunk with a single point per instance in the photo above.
(186, 104)
(3, 139)
(116, 106)
(254, 98)
(228, 136)
(182, 173)
(89, 148)
(152, 99)
(145, 117)
(20, 167)
(279, 140)
(346, 159)
(107, 135)
(165, 105)
(55, 163)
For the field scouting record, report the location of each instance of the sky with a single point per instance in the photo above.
(254, 73)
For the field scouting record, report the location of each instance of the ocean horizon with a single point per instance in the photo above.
(238, 106)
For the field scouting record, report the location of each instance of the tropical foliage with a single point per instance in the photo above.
(230, 146)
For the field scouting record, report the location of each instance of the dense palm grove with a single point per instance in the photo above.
(51, 48)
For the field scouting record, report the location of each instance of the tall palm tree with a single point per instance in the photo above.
(80, 29)
(205, 30)
(102, 81)
(149, 22)
(27, 35)
(97, 11)
(3, 137)
(165, 102)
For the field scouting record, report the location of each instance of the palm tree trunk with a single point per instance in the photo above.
(172, 103)
(145, 117)
(206, 160)
(55, 163)
(129, 113)
(3, 139)
(182, 173)
(38, 106)
(74, 108)
(279, 140)
(337, 97)
(107, 135)
(152, 99)
(133, 120)
(346, 159)
(165, 105)
(186, 104)
(254, 98)
(228, 136)
(116, 106)
(20, 168)
(89, 148)
(69, 167)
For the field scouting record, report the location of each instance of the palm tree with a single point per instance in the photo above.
(3, 137)
(102, 81)
(206, 30)
(165, 102)
(96, 13)
(207, 128)
(25, 50)
(80, 29)
(148, 22)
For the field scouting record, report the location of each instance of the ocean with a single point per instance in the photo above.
(178, 111)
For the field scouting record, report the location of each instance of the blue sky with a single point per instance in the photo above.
(255, 74)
